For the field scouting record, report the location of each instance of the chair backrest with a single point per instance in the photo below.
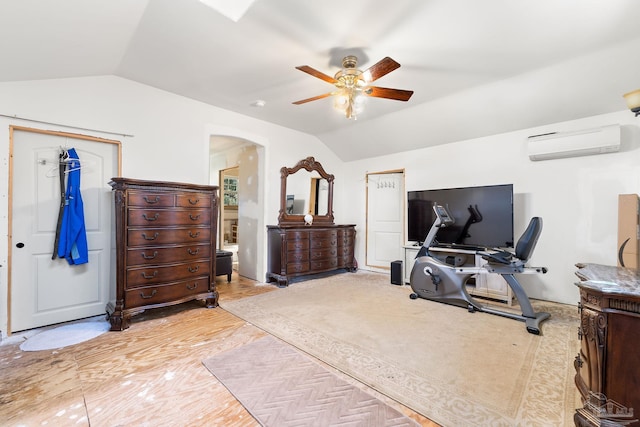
(527, 242)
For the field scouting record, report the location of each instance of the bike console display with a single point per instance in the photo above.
(443, 216)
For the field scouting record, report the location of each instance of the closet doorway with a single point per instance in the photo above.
(44, 291)
(385, 218)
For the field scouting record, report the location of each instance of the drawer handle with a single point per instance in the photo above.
(194, 202)
(193, 269)
(155, 236)
(155, 217)
(192, 287)
(194, 217)
(193, 252)
(151, 202)
(194, 235)
(144, 275)
(155, 254)
(143, 296)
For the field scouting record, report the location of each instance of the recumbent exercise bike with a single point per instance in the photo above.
(443, 278)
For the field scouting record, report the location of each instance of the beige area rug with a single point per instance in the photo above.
(454, 367)
(279, 386)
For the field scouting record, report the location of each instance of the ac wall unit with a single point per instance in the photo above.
(557, 145)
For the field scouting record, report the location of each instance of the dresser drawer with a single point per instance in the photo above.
(296, 234)
(163, 254)
(346, 240)
(164, 217)
(323, 234)
(345, 251)
(164, 236)
(323, 243)
(327, 253)
(143, 276)
(297, 256)
(327, 264)
(297, 267)
(298, 245)
(345, 261)
(151, 200)
(193, 200)
(171, 292)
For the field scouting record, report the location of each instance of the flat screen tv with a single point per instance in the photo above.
(483, 215)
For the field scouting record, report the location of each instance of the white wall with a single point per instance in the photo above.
(576, 197)
(170, 143)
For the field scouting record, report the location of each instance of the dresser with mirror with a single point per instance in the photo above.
(306, 240)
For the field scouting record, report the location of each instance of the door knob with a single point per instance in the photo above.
(20, 245)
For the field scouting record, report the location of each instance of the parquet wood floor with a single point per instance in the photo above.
(148, 375)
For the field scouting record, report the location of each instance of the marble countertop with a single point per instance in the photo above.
(609, 279)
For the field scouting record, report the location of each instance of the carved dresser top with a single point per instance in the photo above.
(608, 279)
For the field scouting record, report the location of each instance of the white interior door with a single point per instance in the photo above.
(385, 224)
(43, 290)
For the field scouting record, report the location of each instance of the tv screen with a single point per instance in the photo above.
(483, 215)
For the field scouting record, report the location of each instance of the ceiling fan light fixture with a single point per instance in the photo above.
(341, 101)
(349, 102)
(633, 101)
(353, 85)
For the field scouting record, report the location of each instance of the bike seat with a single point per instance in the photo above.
(524, 247)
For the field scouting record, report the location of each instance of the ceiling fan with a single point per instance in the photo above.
(353, 84)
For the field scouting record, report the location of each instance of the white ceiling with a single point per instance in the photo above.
(476, 67)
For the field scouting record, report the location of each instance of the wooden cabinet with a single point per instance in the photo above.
(300, 250)
(491, 286)
(608, 365)
(165, 246)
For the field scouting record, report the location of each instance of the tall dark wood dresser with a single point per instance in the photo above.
(608, 365)
(165, 246)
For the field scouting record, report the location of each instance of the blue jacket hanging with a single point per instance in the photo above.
(73, 235)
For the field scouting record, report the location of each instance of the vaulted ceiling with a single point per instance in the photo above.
(476, 67)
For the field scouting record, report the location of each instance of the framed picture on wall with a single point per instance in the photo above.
(230, 191)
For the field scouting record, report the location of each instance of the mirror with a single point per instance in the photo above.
(306, 188)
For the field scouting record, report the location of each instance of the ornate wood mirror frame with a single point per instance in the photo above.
(310, 165)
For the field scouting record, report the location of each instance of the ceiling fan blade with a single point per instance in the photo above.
(316, 73)
(381, 68)
(303, 101)
(383, 92)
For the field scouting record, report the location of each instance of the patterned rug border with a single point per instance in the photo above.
(409, 388)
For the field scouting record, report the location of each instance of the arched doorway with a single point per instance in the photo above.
(241, 225)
